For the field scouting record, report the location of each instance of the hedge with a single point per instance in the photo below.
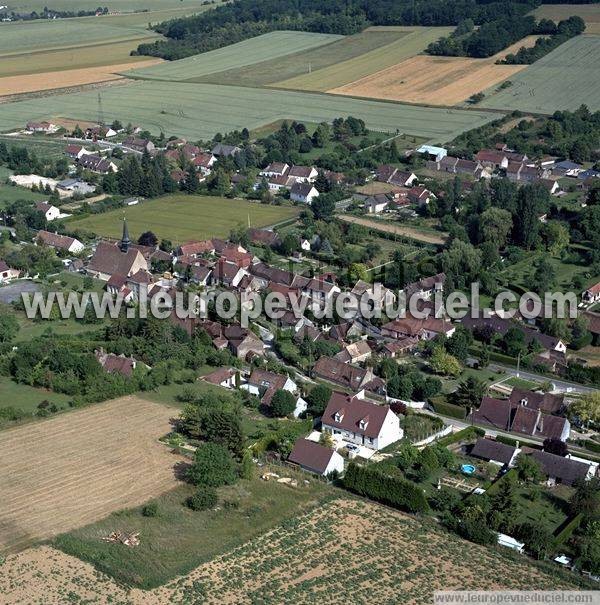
(394, 491)
(564, 532)
(441, 406)
(512, 441)
(584, 341)
(471, 432)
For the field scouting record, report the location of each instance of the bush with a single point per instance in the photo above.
(583, 341)
(212, 466)
(283, 403)
(441, 406)
(471, 432)
(203, 499)
(394, 491)
(150, 509)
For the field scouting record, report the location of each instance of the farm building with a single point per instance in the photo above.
(316, 458)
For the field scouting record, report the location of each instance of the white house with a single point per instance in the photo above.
(316, 458)
(265, 384)
(361, 422)
(305, 244)
(275, 169)
(303, 174)
(50, 212)
(6, 273)
(223, 377)
(60, 242)
(303, 192)
(592, 294)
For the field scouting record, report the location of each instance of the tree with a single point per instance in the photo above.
(283, 403)
(9, 327)
(326, 439)
(494, 226)
(443, 363)
(213, 466)
(191, 184)
(555, 236)
(470, 392)
(462, 262)
(544, 276)
(528, 469)
(148, 239)
(556, 446)
(458, 344)
(289, 244)
(536, 537)
(586, 408)
(203, 499)
(247, 466)
(586, 499)
(323, 206)
(513, 342)
(318, 398)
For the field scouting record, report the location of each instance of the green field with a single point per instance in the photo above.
(412, 41)
(25, 398)
(268, 47)
(289, 66)
(182, 218)
(562, 80)
(178, 539)
(199, 111)
(114, 5)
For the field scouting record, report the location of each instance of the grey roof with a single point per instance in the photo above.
(493, 450)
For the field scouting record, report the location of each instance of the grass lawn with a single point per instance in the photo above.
(25, 398)
(179, 539)
(10, 193)
(549, 508)
(182, 218)
(520, 383)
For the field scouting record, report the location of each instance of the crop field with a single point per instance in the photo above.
(76, 468)
(409, 232)
(199, 111)
(562, 80)
(590, 13)
(412, 41)
(121, 6)
(297, 64)
(50, 80)
(268, 47)
(330, 555)
(435, 80)
(182, 218)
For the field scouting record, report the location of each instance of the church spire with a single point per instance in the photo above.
(125, 241)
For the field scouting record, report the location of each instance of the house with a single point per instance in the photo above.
(204, 162)
(381, 296)
(492, 158)
(100, 132)
(226, 151)
(316, 458)
(425, 287)
(96, 163)
(432, 152)
(559, 469)
(347, 375)
(355, 352)
(265, 384)
(423, 329)
(303, 174)
(551, 185)
(60, 242)
(50, 212)
(139, 145)
(420, 196)
(75, 151)
(223, 377)
(320, 291)
(390, 174)
(6, 273)
(275, 169)
(196, 249)
(360, 421)
(525, 173)
(459, 166)
(548, 403)
(504, 415)
(264, 237)
(494, 452)
(45, 127)
(592, 294)
(303, 192)
(593, 321)
(116, 364)
(374, 204)
(237, 255)
(567, 168)
(243, 343)
(228, 274)
(399, 347)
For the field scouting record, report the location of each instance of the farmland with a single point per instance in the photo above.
(199, 111)
(435, 80)
(562, 80)
(588, 12)
(297, 64)
(79, 467)
(182, 218)
(411, 42)
(301, 561)
(49, 80)
(255, 50)
(121, 6)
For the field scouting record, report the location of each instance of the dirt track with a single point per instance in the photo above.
(78, 467)
(410, 232)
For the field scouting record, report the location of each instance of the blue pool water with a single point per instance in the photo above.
(467, 469)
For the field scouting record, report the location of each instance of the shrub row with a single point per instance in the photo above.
(394, 491)
(470, 432)
(441, 406)
(565, 531)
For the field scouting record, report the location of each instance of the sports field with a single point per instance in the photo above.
(436, 80)
(347, 551)
(590, 13)
(268, 47)
(199, 111)
(562, 80)
(76, 468)
(182, 218)
(411, 41)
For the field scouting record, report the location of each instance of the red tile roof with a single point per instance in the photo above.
(351, 411)
(311, 455)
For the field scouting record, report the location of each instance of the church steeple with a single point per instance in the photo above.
(125, 241)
